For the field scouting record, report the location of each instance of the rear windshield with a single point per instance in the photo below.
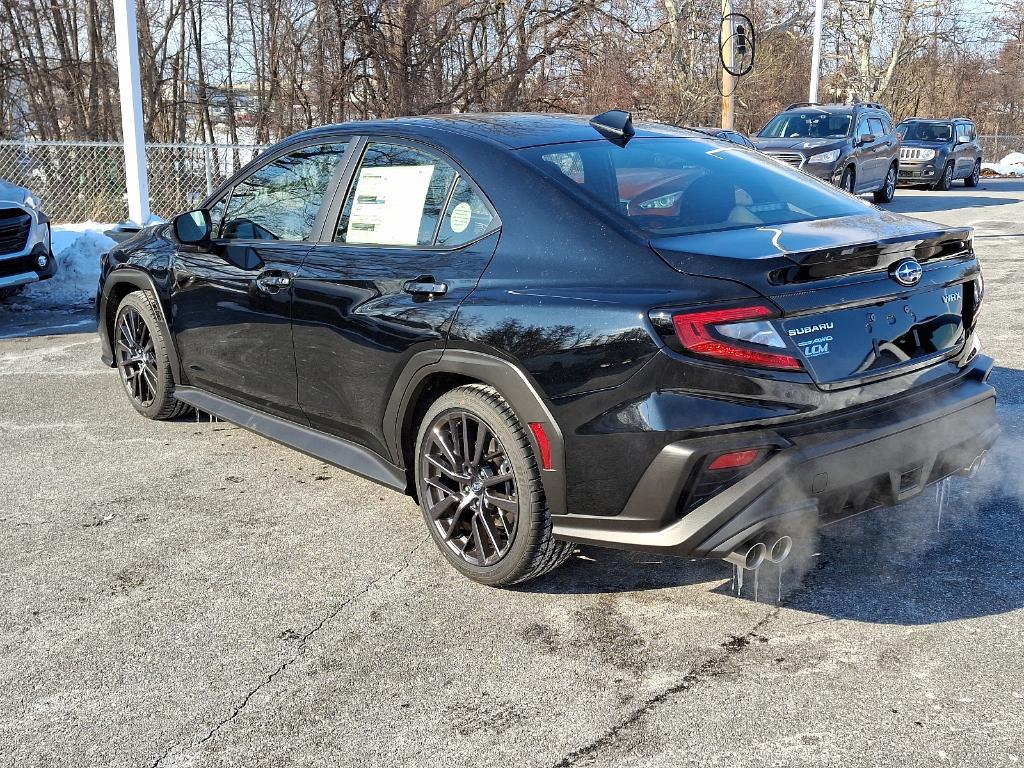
(925, 131)
(808, 125)
(676, 185)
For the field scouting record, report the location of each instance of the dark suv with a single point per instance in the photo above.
(851, 145)
(548, 330)
(935, 152)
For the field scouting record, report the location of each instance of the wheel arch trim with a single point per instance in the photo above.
(141, 281)
(508, 379)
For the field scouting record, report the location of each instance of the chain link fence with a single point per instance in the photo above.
(995, 148)
(83, 181)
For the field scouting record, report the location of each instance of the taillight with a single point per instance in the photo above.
(714, 333)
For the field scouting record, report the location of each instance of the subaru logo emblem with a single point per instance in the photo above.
(906, 272)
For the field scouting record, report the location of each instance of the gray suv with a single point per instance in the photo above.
(935, 152)
(852, 146)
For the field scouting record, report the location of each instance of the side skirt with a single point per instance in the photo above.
(333, 450)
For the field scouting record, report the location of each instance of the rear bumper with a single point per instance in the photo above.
(821, 470)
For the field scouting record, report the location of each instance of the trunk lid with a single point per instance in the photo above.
(842, 310)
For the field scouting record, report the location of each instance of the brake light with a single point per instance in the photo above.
(715, 333)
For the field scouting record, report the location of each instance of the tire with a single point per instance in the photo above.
(975, 178)
(888, 189)
(140, 353)
(11, 292)
(847, 180)
(479, 537)
(946, 180)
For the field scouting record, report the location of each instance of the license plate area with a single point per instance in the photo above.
(868, 340)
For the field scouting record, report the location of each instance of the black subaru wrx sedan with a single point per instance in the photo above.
(551, 330)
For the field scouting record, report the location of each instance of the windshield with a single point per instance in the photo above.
(674, 186)
(807, 125)
(925, 131)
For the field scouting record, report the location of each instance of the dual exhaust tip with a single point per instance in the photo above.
(752, 556)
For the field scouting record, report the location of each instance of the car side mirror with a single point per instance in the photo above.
(963, 140)
(193, 228)
(867, 138)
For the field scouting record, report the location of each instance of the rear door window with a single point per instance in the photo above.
(397, 198)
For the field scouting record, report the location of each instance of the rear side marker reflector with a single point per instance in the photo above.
(712, 334)
(543, 443)
(735, 459)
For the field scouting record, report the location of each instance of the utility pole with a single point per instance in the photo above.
(819, 9)
(127, 33)
(728, 79)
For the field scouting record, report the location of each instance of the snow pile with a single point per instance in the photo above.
(77, 248)
(1011, 165)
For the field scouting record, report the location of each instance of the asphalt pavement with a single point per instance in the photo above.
(189, 594)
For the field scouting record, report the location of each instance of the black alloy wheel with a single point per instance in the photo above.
(136, 357)
(471, 489)
(141, 356)
(479, 486)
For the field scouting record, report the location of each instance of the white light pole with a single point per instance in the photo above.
(728, 61)
(819, 8)
(127, 34)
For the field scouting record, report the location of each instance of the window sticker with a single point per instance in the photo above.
(388, 205)
(460, 217)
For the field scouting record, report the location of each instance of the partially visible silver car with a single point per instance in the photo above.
(25, 253)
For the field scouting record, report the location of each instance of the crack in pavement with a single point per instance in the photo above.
(696, 675)
(301, 648)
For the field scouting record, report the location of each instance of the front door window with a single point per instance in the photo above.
(280, 201)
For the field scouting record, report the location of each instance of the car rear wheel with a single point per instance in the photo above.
(479, 487)
(140, 353)
(888, 189)
(847, 181)
(975, 178)
(946, 180)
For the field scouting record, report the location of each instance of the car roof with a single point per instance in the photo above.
(938, 120)
(837, 108)
(515, 130)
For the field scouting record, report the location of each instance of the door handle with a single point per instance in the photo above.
(272, 282)
(425, 285)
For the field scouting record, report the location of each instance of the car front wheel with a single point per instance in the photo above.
(946, 180)
(847, 181)
(975, 178)
(888, 189)
(140, 353)
(478, 484)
